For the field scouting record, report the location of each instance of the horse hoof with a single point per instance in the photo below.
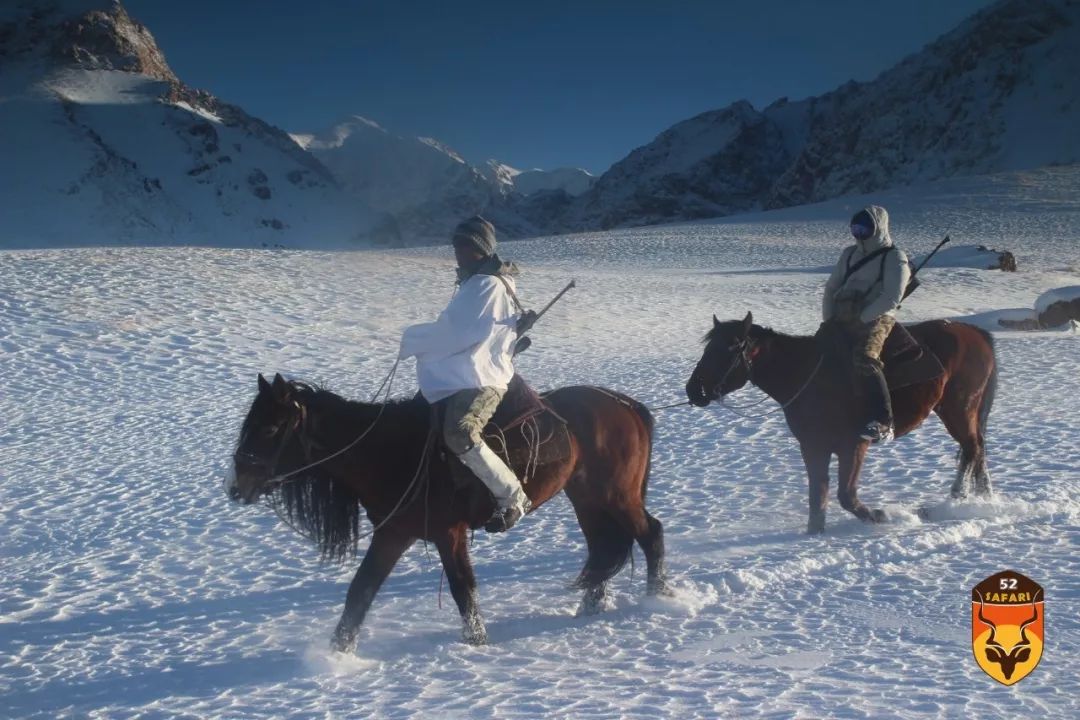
(473, 632)
(476, 639)
(659, 588)
(878, 516)
(343, 643)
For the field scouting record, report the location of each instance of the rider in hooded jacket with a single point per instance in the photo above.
(862, 294)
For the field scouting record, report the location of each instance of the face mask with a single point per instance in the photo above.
(861, 232)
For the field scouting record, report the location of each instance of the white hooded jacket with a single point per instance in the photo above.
(876, 288)
(471, 343)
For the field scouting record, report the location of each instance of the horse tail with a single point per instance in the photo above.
(650, 425)
(987, 402)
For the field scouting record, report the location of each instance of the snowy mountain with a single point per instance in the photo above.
(573, 181)
(103, 144)
(1000, 92)
(422, 187)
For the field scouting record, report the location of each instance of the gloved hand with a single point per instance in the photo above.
(522, 345)
(526, 321)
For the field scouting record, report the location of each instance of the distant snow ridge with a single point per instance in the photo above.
(419, 185)
(423, 187)
(103, 144)
(999, 92)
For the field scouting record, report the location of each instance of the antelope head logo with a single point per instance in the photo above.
(1018, 653)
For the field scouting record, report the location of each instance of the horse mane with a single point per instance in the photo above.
(319, 506)
(757, 332)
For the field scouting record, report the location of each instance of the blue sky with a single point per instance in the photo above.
(534, 84)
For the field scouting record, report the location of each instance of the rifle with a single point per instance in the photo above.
(569, 286)
(913, 282)
(524, 342)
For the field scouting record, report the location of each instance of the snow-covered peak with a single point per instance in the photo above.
(572, 181)
(442, 147)
(103, 144)
(500, 173)
(87, 34)
(390, 172)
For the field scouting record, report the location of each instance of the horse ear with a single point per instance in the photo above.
(715, 322)
(748, 322)
(280, 387)
(264, 387)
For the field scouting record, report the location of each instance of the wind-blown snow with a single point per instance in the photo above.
(133, 588)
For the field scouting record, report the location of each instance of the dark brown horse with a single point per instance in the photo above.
(409, 494)
(823, 414)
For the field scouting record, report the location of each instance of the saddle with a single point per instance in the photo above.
(907, 361)
(525, 431)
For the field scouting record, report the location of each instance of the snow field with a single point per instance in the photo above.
(132, 587)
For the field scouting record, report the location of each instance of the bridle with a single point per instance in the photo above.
(298, 423)
(745, 351)
(295, 427)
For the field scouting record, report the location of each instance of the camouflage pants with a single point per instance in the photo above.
(867, 341)
(467, 412)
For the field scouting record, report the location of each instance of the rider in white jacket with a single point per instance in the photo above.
(465, 359)
(863, 293)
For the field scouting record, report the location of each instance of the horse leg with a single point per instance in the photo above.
(594, 600)
(609, 543)
(851, 462)
(651, 542)
(982, 473)
(817, 473)
(962, 425)
(386, 549)
(454, 552)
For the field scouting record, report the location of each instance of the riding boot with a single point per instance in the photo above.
(511, 501)
(877, 406)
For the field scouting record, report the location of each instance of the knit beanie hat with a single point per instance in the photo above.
(478, 232)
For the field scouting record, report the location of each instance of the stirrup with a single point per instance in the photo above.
(506, 518)
(877, 432)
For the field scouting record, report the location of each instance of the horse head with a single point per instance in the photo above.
(724, 367)
(269, 441)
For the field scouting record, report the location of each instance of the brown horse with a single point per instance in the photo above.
(822, 413)
(409, 493)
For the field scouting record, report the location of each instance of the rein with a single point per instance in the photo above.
(279, 480)
(744, 358)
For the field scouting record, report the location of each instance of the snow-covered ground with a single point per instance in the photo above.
(131, 587)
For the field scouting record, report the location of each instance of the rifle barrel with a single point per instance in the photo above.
(569, 286)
